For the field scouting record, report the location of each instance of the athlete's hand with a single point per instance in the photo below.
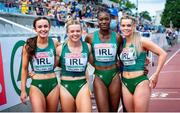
(118, 63)
(153, 80)
(146, 71)
(23, 97)
(148, 61)
(31, 74)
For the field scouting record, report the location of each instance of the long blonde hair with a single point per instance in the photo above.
(136, 37)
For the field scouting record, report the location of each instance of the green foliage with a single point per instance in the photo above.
(130, 5)
(145, 15)
(117, 1)
(171, 13)
(127, 5)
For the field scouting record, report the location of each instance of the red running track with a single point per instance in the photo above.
(166, 96)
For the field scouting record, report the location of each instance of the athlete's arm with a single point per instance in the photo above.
(88, 39)
(120, 44)
(56, 43)
(58, 54)
(24, 74)
(90, 59)
(149, 45)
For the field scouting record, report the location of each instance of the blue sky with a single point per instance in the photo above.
(150, 5)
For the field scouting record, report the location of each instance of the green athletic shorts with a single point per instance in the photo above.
(106, 75)
(73, 86)
(131, 83)
(45, 85)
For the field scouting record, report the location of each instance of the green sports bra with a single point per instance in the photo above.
(44, 60)
(132, 61)
(104, 53)
(74, 64)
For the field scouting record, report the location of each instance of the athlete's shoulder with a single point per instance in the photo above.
(89, 46)
(56, 43)
(119, 38)
(89, 38)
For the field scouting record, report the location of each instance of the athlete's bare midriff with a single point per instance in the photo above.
(43, 76)
(132, 74)
(106, 67)
(72, 78)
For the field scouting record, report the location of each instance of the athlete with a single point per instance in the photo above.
(136, 88)
(105, 44)
(73, 56)
(39, 51)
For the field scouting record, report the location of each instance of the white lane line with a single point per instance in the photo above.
(172, 57)
(165, 99)
(120, 108)
(93, 107)
(170, 72)
(169, 59)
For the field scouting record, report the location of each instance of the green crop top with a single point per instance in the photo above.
(74, 64)
(44, 60)
(104, 54)
(130, 59)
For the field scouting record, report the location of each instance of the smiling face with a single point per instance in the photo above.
(42, 28)
(104, 20)
(127, 27)
(74, 32)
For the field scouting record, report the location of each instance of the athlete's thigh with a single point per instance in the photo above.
(144, 91)
(101, 95)
(115, 93)
(127, 99)
(67, 101)
(83, 100)
(37, 99)
(53, 99)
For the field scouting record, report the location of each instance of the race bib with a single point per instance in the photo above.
(128, 56)
(76, 62)
(44, 61)
(105, 52)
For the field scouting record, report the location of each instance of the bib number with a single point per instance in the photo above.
(75, 62)
(128, 56)
(105, 52)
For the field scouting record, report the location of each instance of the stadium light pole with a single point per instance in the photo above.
(137, 7)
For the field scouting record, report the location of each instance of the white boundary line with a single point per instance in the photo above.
(119, 108)
(169, 59)
(172, 57)
(169, 71)
(165, 92)
(165, 99)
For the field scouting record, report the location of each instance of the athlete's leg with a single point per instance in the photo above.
(115, 93)
(37, 99)
(121, 98)
(101, 95)
(66, 100)
(53, 100)
(83, 99)
(144, 91)
(127, 99)
(122, 102)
